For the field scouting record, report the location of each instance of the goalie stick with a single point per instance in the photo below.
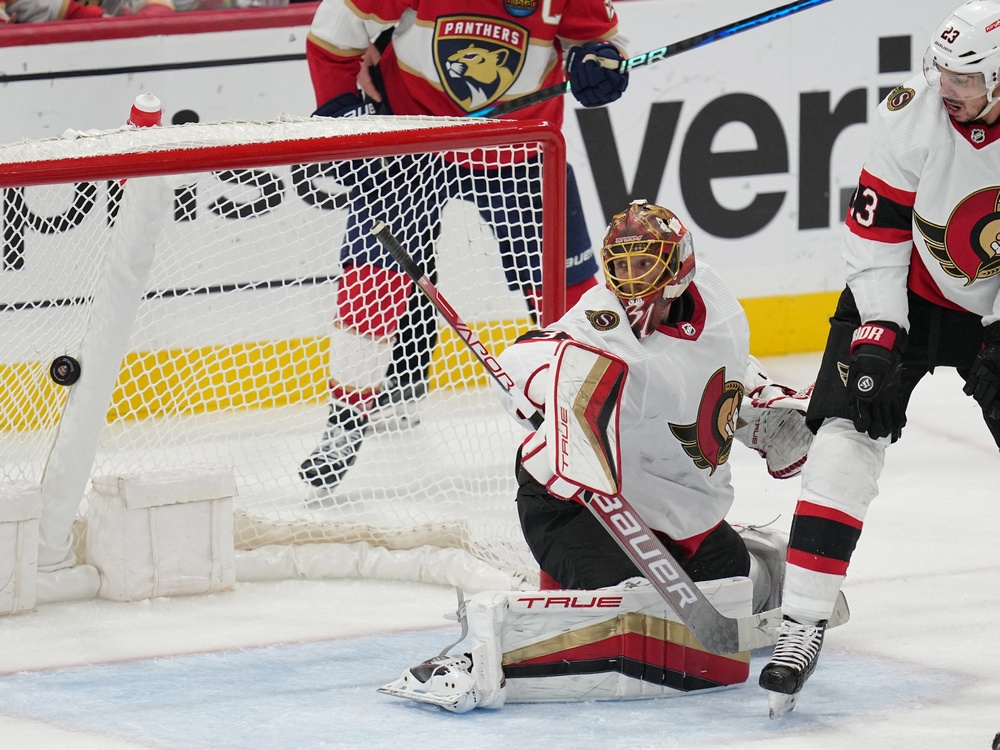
(718, 633)
(647, 58)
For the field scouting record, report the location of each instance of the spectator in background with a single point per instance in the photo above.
(37, 11)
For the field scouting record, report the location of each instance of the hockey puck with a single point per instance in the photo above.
(996, 742)
(64, 370)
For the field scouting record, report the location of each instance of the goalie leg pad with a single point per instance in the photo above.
(767, 550)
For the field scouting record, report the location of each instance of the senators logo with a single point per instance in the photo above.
(603, 320)
(709, 440)
(899, 97)
(968, 246)
(477, 58)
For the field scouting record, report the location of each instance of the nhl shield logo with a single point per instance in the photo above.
(478, 58)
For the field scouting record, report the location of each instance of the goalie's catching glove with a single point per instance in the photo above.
(593, 84)
(773, 423)
(983, 383)
(874, 380)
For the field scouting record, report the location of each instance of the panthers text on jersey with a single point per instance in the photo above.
(452, 57)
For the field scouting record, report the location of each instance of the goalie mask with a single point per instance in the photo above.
(648, 260)
(963, 60)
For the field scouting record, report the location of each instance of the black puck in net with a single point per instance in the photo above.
(64, 370)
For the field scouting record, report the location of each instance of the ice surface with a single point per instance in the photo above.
(295, 664)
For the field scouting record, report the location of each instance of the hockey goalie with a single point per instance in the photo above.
(637, 392)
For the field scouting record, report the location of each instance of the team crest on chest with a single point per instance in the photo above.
(968, 246)
(710, 439)
(478, 58)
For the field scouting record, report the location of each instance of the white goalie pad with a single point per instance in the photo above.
(618, 643)
(582, 417)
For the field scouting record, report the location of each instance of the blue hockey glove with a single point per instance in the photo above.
(346, 105)
(983, 383)
(874, 379)
(592, 84)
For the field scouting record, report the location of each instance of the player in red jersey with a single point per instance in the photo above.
(923, 291)
(442, 58)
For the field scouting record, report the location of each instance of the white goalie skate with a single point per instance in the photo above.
(444, 681)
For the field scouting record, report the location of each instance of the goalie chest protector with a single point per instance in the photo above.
(679, 404)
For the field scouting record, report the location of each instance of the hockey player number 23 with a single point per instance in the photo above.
(866, 216)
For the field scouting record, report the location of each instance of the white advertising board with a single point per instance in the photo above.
(756, 139)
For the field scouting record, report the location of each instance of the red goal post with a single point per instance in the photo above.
(192, 271)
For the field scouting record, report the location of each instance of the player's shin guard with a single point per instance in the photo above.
(839, 481)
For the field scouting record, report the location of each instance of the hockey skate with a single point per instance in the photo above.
(395, 406)
(338, 449)
(794, 659)
(444, 681)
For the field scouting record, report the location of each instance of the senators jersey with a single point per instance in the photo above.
(451, 57)
(926, 214)
(679, 406)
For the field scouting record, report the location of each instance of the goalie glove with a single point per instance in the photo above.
(773, 423)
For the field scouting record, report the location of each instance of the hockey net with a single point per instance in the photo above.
(194, 269)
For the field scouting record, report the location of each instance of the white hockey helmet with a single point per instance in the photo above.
(963, 59)
(648, 260)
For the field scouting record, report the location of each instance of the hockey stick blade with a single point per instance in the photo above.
(656, 55)
(716, 632)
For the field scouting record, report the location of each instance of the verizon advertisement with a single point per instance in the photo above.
(756, 139)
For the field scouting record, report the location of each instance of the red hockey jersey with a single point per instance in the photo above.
(451, 57)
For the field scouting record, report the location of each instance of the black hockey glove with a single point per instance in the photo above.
(983, 383)
(592, 84)
(874, 379)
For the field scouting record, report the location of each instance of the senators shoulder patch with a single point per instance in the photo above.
(899, 97)
(603, 320)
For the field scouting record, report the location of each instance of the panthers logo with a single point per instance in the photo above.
(478, 59)
(968, 246)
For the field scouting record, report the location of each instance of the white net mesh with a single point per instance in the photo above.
(228, 360)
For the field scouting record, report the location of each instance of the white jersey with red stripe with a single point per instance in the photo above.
(927, 212)
(678, 410)
(451, 57)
